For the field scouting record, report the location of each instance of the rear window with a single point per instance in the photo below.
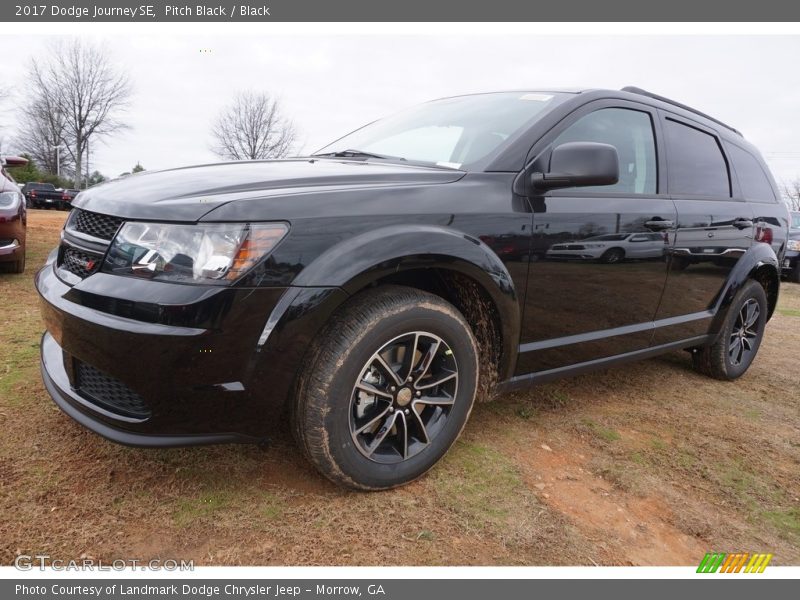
(696, 164)
(752, 180)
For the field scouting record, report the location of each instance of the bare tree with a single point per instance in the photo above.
(5, 93)
(791, 192)
(253, 127)
(43, 136)
(76, 82)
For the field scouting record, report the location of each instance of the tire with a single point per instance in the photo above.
(794, 275)
(19, 266)
(733, 352)
(613, 256)
(376, 441)
(679, 263)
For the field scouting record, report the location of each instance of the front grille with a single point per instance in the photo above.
(108, 392)
(94, 224)
(79, 263)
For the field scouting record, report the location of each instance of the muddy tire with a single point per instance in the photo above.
(733, 352)
(386, 389)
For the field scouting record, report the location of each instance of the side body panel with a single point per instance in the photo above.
(589, 306)
(719, 242)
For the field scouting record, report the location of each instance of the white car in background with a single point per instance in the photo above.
(611, 247)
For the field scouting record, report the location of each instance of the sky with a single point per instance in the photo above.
(330, 85)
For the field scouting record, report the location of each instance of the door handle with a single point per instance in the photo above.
(742, 223)
(658, 224)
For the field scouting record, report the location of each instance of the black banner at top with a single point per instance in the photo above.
(400, 10)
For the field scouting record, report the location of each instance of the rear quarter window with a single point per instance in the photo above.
(754, 183)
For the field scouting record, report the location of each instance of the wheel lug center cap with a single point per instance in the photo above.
(404, 396)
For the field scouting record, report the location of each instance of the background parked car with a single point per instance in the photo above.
(67, 196)
(42, 195)
(13, 219)
(791, 261)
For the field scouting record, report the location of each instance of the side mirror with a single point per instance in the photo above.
(578, 164)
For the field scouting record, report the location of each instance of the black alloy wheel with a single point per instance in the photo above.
(736, 346)
(743, 337)
(386, 388)
(403, 397)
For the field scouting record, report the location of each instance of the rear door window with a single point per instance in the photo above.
(696, 164)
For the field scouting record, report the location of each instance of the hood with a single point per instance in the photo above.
(188, 193)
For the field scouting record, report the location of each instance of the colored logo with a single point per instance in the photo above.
(742, 562)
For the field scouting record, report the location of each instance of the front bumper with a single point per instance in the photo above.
(84, 412)
(200, 379)
(12, 236)
(10, 249)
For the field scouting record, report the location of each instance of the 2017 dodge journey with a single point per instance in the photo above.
(366, 295)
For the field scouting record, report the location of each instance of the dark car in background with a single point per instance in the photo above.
(791, 261)
(13, 219)
(67, 196)
(42, 195)
(366, 295)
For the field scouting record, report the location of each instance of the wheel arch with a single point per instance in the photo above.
(451, 264)
(759, 263)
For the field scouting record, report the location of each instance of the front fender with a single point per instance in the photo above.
(759, 262)
(355, 263)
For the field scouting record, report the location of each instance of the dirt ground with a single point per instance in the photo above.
(652, 464)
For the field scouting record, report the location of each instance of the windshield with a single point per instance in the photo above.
(795, 220)
(450, 132)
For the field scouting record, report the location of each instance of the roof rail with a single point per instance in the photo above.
(635, 90)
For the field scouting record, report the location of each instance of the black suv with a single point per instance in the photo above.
(38, 195)
(791, 261)
(369, 293)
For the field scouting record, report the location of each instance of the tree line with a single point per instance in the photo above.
(75, 97)
(791, 193)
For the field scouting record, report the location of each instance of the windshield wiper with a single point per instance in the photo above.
(358, 153)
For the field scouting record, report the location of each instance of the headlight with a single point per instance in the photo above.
(9, 199)
(793, 245)
(207, 253)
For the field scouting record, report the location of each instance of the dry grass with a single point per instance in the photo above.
(652, 464)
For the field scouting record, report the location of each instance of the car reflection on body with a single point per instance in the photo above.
(611, 247)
